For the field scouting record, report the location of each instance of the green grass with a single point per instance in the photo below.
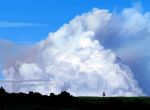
(107, 99)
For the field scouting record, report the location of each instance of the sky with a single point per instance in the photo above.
(29, 21)
(28, 27)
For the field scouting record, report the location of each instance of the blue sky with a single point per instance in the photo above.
(29, 21)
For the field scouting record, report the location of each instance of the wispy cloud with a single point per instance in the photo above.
(25, 81)
(6, 24)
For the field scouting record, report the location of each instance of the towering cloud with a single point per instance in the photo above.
(72, 59)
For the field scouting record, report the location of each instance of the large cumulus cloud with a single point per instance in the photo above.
(128, 35)
(74, 59)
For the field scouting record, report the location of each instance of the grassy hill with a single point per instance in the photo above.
(116, 102)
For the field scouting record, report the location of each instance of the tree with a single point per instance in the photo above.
(2, 91)
(103, 94)
(64, 94)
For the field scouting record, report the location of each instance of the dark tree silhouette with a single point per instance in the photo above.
(2, 91)
(64, 94)
(103, 94)
(52, 94)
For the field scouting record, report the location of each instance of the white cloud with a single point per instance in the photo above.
(71, 59)
(127, 33)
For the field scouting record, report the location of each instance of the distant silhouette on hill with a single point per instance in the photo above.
(103, 94)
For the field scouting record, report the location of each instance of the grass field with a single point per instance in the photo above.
(107, 99)
(116, 102)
